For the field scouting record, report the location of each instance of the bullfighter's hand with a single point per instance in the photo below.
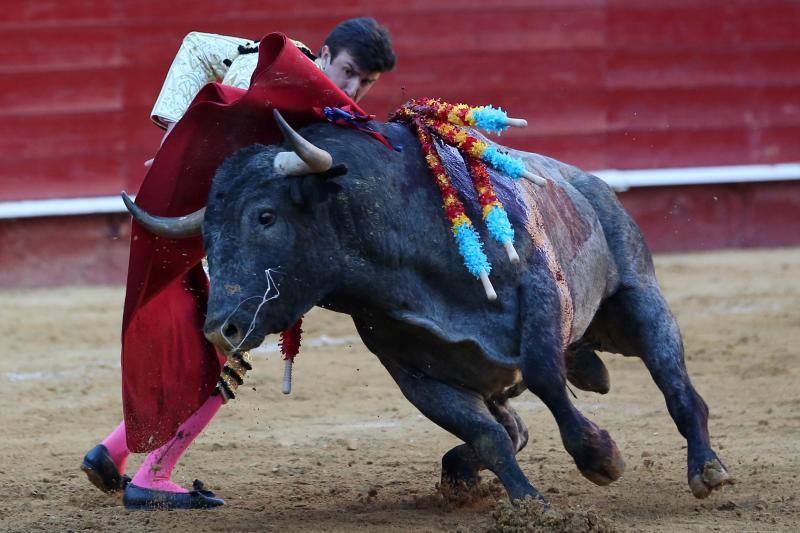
(170, 126)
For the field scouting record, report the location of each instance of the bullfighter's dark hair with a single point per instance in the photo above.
(366, 40)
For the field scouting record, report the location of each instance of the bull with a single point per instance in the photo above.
(332, 218)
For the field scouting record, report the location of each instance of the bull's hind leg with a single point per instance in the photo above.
(543, 369)
(466, 415)
(639, 322)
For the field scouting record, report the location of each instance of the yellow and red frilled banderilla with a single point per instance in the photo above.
(487, 118)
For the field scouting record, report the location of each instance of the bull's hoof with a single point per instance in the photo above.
(609, 471)
(457, 489)
(458, 473)
(468, 493)
(713, 476)
(461, 494)
(586, 371)
(598, 458)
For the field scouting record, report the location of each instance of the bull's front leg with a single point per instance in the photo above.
(461, 466)
(466, 415)
(543, 369)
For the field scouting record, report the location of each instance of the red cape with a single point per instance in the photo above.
(169, 369)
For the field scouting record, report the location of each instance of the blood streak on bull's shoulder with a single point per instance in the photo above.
(535, 225)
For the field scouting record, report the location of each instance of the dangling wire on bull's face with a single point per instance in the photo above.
(266, 297)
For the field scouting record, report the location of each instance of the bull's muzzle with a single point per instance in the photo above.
(226, 335)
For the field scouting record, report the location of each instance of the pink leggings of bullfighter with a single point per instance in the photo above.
(157, 467)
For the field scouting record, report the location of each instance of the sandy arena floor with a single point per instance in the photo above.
(346, 452)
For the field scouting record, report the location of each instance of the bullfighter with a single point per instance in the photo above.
(169, 369)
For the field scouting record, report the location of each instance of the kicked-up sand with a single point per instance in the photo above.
(346, 451)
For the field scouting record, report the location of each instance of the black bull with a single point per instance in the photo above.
(374, 243)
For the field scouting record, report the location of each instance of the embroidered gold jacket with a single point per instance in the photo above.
(201, 59)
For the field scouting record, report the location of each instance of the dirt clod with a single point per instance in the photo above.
(531, 516)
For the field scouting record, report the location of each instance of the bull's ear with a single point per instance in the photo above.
(310, 191)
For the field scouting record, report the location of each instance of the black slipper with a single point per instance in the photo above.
(101, 470)
(139, 498)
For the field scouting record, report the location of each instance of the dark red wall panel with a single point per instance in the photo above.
(94, 249)
(64, 251)
(603, 83)
(708, 217)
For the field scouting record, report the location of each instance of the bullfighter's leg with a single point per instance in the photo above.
(152, 488)
(461, 465)
(156, 470)
(466, 415)
(642, 325)
(117, 445)
(543, 369)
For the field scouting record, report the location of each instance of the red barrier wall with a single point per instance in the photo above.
(709, 217)
(53, 251)
(603, 83)
(94, 249)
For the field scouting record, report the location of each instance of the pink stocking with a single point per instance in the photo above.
(156, 469)
(117, 447)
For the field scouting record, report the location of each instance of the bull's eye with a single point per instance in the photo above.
(267, 218)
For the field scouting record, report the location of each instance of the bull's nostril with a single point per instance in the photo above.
(230, 331)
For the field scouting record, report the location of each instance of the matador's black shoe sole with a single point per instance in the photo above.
(101, 470)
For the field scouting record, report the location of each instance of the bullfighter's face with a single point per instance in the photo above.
(345, 73)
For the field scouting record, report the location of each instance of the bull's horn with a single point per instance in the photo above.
(190, 225)
(305, 157)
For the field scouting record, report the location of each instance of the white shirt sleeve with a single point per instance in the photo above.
(200, 60)
(241, 71)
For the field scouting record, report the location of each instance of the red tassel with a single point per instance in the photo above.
(290, 340)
